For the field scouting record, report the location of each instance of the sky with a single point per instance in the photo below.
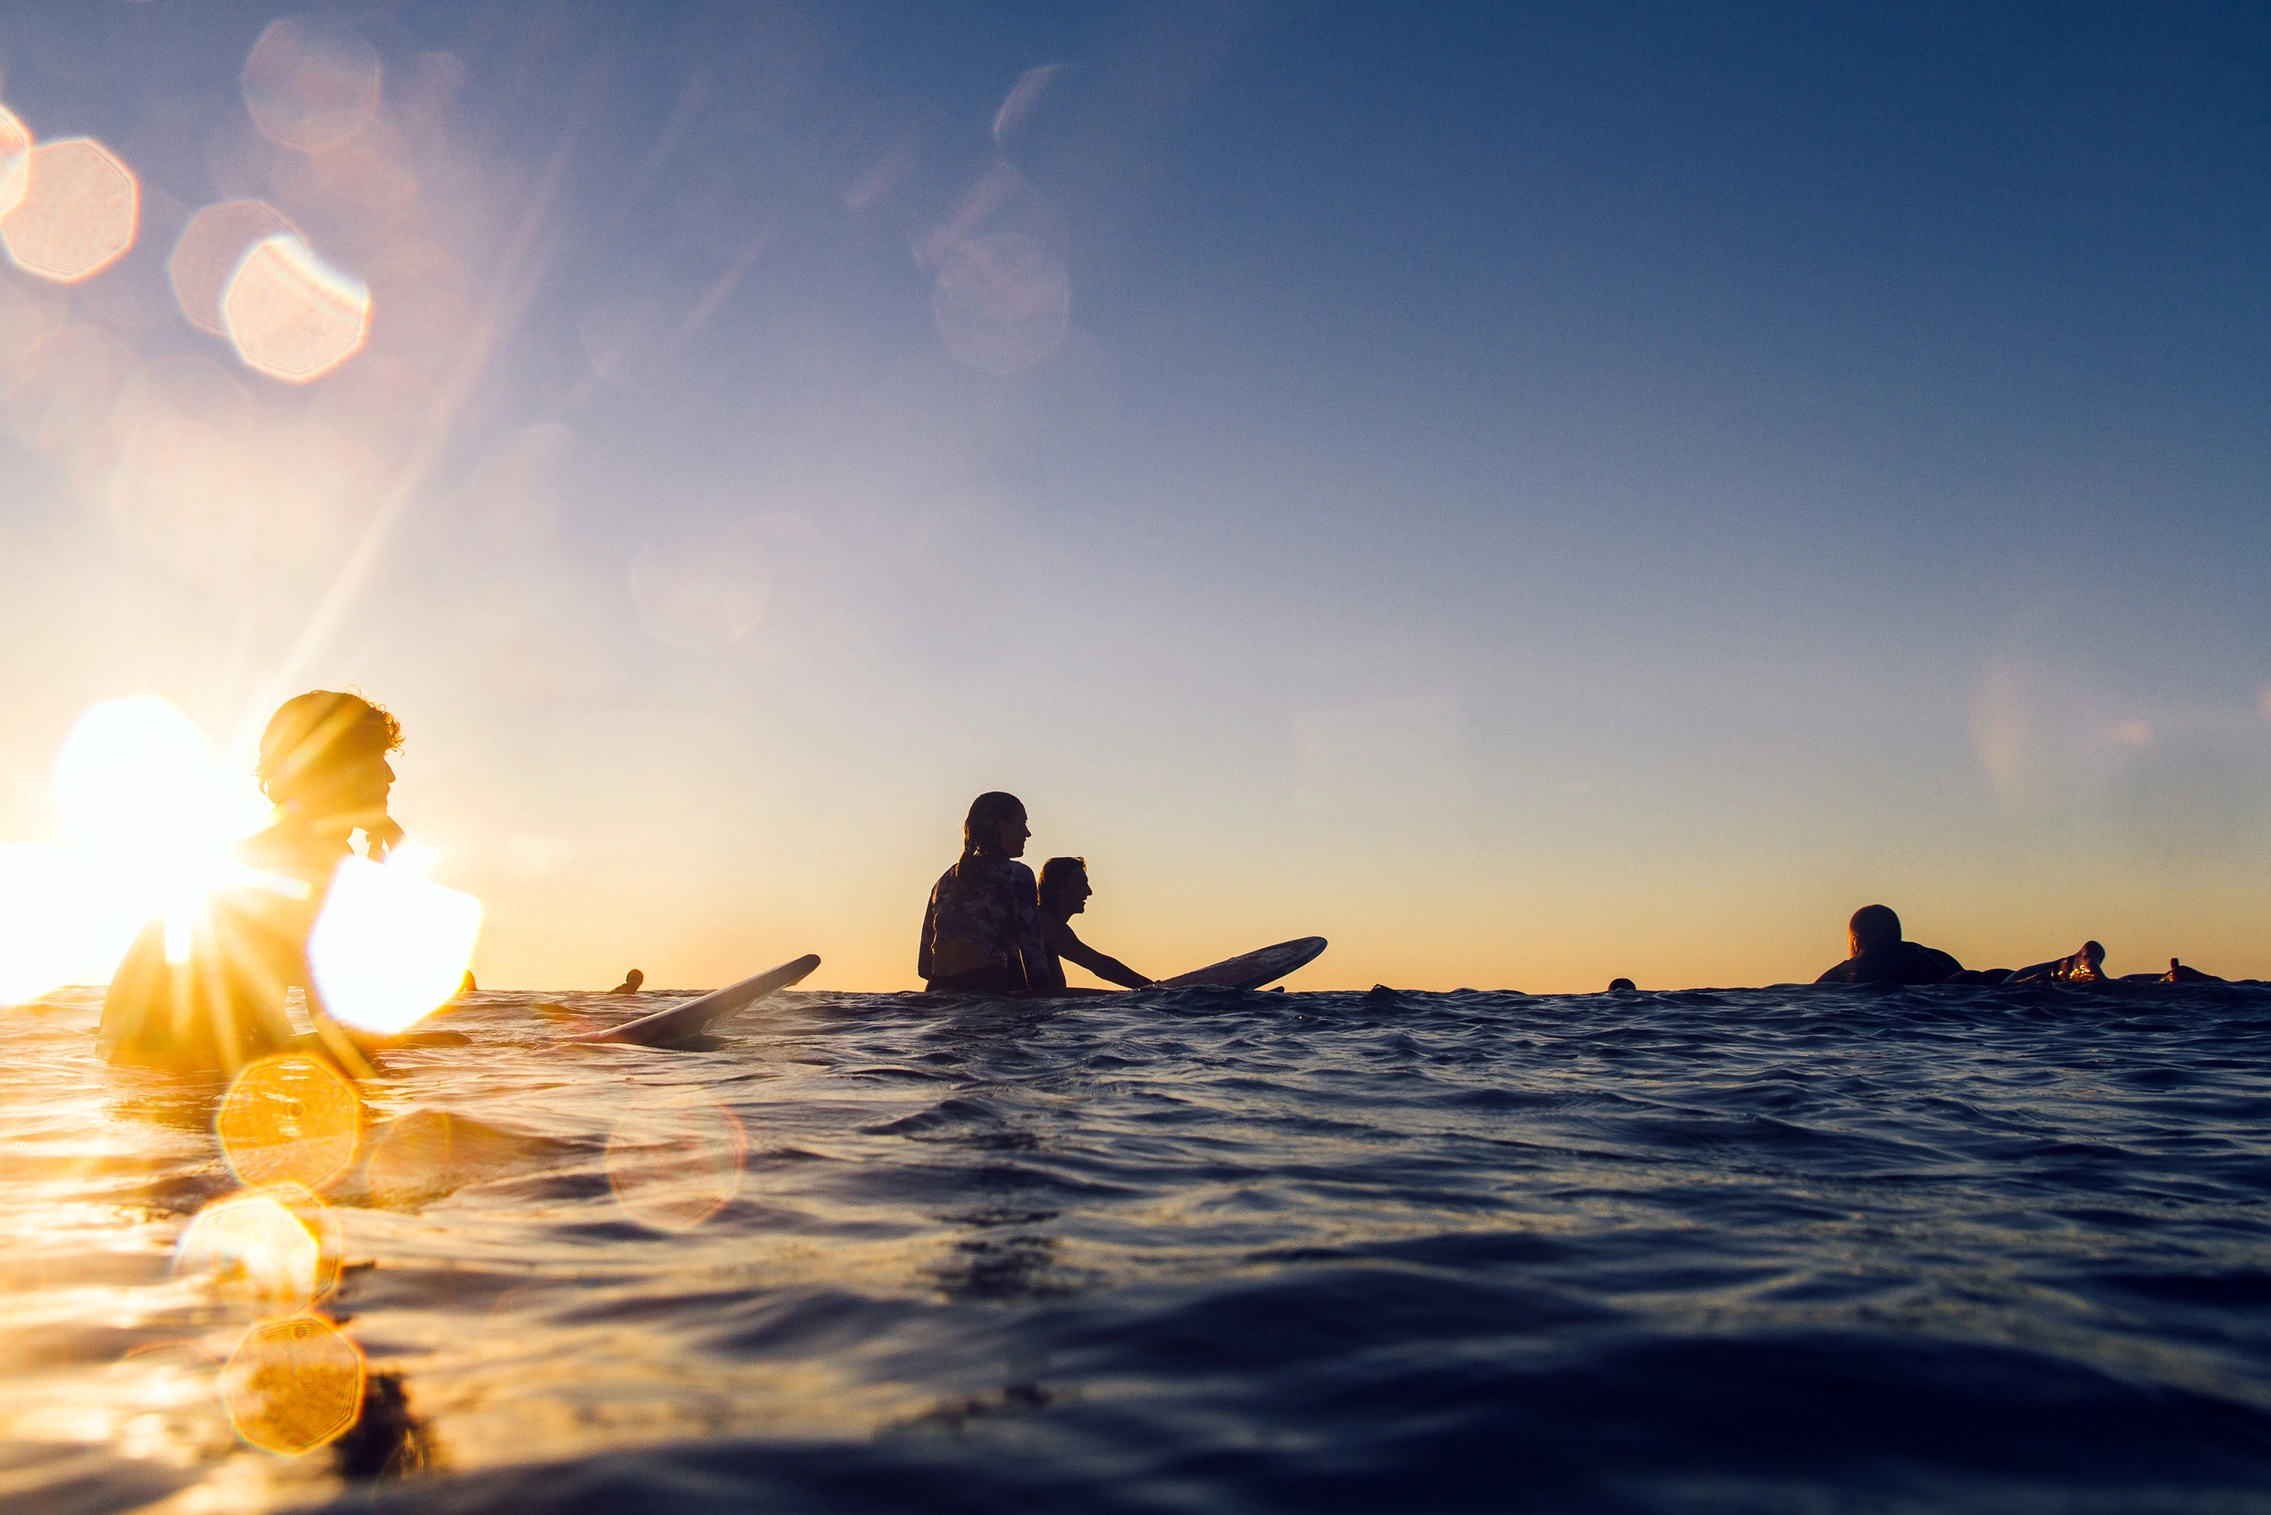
(1531, 494)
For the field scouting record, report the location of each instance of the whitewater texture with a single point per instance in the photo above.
(1788, 1249)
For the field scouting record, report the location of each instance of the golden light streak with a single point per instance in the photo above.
(390, 947)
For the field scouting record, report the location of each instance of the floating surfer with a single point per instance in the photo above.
(630, 984)
(1877, 954)
(221, 1006)
(2085, 966)
(1063, 894)
(982, 928)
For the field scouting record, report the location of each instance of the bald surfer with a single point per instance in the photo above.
(1063, 894)
(982, 927)
(1877, 954)
(211, 999)
(631, 982)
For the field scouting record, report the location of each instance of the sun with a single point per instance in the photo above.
(153, 821)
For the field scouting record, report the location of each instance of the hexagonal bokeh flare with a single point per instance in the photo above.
(77, 211)
(291, 315)
(310, 83)
(209, 250)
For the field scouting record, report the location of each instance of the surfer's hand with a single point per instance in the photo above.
(384, 836)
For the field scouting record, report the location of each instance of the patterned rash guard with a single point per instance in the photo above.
(989, 901)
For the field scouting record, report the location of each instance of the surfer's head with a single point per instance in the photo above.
(996, 824)
(323, 757)
(1064, 887)
(1873, 928)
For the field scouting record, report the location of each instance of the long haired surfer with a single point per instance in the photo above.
(982, 931)
(1064, 893)
(219, 1004)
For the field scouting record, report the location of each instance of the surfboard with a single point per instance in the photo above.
(695, 1016)
(1253, 969)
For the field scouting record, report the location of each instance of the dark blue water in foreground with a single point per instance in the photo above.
(1788, 1249)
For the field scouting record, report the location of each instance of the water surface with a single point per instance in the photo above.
(1786, 1249)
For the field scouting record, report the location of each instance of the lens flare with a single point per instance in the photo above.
(390, 947)
(54, 928)
(674, 1160)
(76, 213)
(211, 248)
(289, 1119)
(137, 786)
(15, 160)
(293, 1385)
(701, 588)
(1002, 303)
(268, 1252)
(291, 315)
(310, 83)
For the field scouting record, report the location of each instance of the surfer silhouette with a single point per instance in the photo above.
(630, 984)
(1878, 955)
(982, 928)
(215, 1001)
(2085, 966)
(1064, 893)
(1624, 984)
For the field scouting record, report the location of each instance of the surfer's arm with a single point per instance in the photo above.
(922, 948)
(1109, 969)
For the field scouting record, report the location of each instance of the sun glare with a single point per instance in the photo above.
(53, 927)
(138, 788)
(390, 947)
(291, 315)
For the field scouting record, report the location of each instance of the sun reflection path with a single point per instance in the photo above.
(291, 315)
(76, 213)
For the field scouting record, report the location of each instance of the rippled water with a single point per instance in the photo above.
(1788, 1249)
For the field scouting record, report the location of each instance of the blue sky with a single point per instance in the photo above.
(1529, 494)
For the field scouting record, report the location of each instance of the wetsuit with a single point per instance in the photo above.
(1899, 963)
(988, 901)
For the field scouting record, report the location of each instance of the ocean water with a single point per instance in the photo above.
(1789, 1249)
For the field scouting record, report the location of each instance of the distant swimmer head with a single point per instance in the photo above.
(1064, 887)
(1621, 983)
(633, 979)
(323, 757)
(996, 824)
(1873, 928)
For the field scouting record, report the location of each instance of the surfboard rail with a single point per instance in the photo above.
(690, 1018)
